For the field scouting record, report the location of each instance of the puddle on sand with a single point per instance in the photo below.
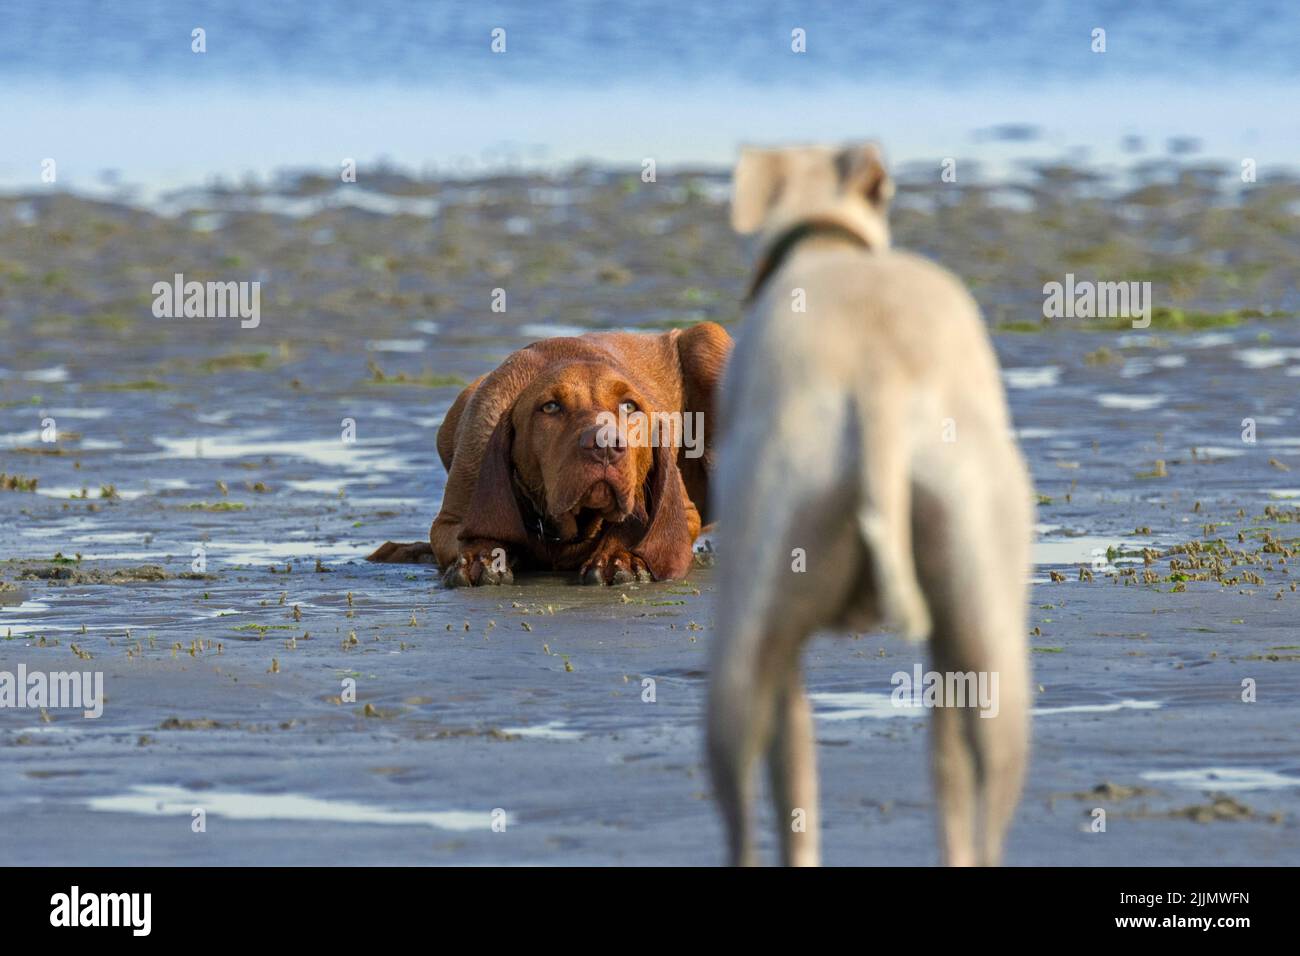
(1211, 340)
(860, 705)
(880, 706)
(396, 345)
(1033, 434)
(549, 331)
(1085, 549)
(1049, 376)
(58, 373)
(320, 486)
(1218, 451)
(152, 486)
(179, 203)
(1131, 403)
(1223, 778)
(68, 491)
(93, 414)
(112, 537)
(165, 801)
(1265, 358)
(260, 443)
(551, 730)
(1126, 704)
(250, 552)
(15, 625)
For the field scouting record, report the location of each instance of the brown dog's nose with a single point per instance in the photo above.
(601, 444)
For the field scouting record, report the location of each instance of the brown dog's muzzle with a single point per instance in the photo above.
(596, 445)
(605, 474)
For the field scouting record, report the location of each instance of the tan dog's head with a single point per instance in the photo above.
(560, 446)
(774, 189)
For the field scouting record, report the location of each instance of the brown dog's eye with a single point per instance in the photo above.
(550, 408)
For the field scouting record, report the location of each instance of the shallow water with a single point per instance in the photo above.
(233, 442)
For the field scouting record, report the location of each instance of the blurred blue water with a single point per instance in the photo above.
(585, 41)
(112, 89)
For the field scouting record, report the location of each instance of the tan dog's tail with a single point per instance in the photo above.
(885, 519)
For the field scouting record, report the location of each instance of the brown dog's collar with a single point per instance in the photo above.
(521, 492)
(778, 251)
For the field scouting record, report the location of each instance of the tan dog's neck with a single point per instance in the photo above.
(783, 244)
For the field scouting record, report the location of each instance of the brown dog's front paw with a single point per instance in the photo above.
(614, 567)
(479, 566)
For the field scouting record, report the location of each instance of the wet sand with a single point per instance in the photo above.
(529, 699)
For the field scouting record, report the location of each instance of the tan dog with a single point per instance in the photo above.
(871, 431)
(554, 463)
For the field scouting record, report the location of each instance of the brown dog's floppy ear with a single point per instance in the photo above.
(702, 350)
(493, 513)
(755, 185)
(862, 172)
(666, 546)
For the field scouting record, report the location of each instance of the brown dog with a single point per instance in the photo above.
(549, 465)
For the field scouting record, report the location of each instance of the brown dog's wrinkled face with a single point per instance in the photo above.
(574, 462)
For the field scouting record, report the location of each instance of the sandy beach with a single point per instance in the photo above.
(195, 528)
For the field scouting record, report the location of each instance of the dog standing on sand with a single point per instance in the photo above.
(863, 420)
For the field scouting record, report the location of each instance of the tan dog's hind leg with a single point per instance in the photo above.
(953, 769)
(792, 764)
(979, 762)
(740, 720)
(1002, 745)
(972, 557)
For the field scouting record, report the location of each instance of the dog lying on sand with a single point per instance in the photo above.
(863, 420)
(578, 454)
